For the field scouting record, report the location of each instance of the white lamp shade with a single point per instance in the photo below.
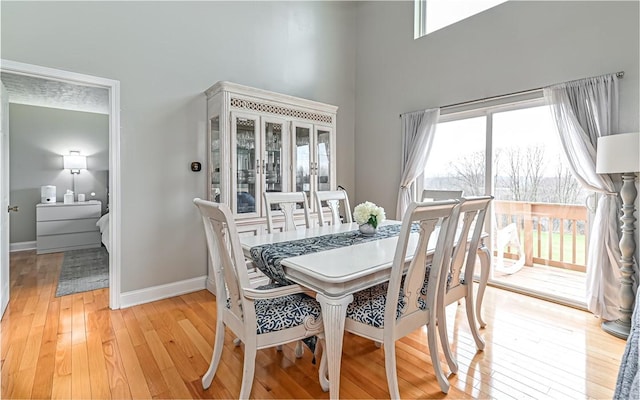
(618, 154)
(75, 161)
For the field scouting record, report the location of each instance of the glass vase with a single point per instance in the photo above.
(367, 230)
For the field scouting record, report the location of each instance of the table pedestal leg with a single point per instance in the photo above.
(334, 311)
(485, 267)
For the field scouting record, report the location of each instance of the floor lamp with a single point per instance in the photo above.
(619, 154)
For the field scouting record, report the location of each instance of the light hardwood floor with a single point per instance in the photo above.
(75, 347)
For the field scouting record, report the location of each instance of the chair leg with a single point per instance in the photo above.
(433, 350)
(444, 340)
(248, 369)
(390, 368)
(299, 349)
(471, 317)
(323, 369)
(299, 352)
(485, 265)
(218, 345)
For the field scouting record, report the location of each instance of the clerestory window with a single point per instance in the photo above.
(431, 15)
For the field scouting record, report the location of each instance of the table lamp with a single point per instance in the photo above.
(619, 154)
(74, 162)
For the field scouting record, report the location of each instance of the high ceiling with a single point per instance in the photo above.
(40, 92)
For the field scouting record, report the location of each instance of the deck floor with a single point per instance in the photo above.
(552, 281)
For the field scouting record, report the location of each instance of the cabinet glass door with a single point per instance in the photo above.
(323, 159)
(302, 158)
(272, 167)
(246, 151)
(214, 163)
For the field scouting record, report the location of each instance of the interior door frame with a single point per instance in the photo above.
(5, 281)
(113, 86)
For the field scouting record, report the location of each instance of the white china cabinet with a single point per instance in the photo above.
(261, 141)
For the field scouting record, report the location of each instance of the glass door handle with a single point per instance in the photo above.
(12, 208)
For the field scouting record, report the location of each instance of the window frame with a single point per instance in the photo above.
(419, 18)
(420, 14)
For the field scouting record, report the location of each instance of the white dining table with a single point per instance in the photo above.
(338, 273)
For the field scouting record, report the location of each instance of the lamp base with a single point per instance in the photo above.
(617, 328)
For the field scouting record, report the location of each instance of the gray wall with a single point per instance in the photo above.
(39, 138)
(165, 54)
(515, 46)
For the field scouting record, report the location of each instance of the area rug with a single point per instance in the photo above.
(83, 270)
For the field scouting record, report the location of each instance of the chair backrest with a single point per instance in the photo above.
(436, 229)
(287, 203)
(226, 254)
(470, 222)
(332, 198)
(438, 195)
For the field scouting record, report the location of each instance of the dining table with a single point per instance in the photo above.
(336, 272)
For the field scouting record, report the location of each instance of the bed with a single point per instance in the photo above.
(628, 384)
(103, 225)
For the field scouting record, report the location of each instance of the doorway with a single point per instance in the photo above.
(113, 89)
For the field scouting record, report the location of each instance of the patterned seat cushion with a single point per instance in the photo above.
(368, 305)
(283, 312)
(426, 280)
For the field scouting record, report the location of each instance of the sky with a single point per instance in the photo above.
(441, 13)
(517, 128)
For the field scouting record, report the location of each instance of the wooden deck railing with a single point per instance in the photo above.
(551, 234)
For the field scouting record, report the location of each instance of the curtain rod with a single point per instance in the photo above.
(619, 74)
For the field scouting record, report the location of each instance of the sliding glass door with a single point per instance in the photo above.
(539, 222)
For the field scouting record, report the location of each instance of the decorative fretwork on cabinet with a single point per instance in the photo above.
(262, 141)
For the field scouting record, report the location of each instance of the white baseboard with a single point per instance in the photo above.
(147, 295)
(22, 246)
(211, 285)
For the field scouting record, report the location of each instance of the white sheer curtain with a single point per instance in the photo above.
(418, 130)
(585, 110)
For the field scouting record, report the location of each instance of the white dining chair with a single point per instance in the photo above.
(459, 271)
(389, 311)
(333, 198)
(286, 203)
(259, 317)
(508, 237)
(437, 195)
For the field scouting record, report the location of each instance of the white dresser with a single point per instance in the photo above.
(62, 227)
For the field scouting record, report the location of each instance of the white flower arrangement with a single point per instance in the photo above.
(368, 213)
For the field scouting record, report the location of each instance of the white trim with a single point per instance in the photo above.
(115, 228)
(147, 295)
(113, 86)
(419, 18)
(22, 246)
(211, 285)
(295, 102)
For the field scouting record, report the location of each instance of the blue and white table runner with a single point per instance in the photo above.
(268, 257)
